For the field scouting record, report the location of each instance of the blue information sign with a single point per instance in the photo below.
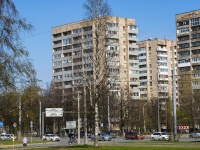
(1, 124)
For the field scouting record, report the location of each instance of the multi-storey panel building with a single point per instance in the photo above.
(188, 42)
(73, 49)
(188, 48)
(156, 61)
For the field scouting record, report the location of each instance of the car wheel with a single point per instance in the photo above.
(153, 139)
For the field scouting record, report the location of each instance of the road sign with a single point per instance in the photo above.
(14, 124)
(70, 124)
(1, 124)
(183, 127)
(54, 112)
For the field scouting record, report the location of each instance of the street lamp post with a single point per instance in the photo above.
(108, 115)
(78, 118)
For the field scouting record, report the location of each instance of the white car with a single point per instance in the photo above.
(11, 136)
(160, 136)
(51, 137)
(3, 137)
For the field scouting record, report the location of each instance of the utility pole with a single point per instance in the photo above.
(174, 105)
(85, 117)
(159, 128)
(108, 115)
(20, 117)
(78, 117)
(40, 121)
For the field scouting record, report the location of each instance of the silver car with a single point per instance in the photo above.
(51, 137)
(160, 136)
(102, 137)
(195, 135)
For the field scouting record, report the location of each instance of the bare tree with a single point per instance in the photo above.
(98, 12)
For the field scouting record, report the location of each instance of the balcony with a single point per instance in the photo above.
(161, 49)
(67, 78)
(57, 45)
(184, 64)
(135, 31)
(133, 45)
(57, 38)
(77, 41)
(87, 46)
(76, 34)
(133, 61)
(112, 36)
(112, 28)
(134, 83)
(162, 55)
(135, 97)
(87, 32)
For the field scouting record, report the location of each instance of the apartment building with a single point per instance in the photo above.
(188, 48)
(188, 42)
(73, 49)
(156, 61)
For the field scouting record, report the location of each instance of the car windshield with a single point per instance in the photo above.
(164, 133)
(52, 135)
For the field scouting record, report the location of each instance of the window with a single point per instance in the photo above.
(142, 54)
(68, 75)
(181, 23)
(76, 31)
(132, 27)
(57, 63)
(111, 25)
(182, 30)
(163, 70)
(197, 43)
(133, 64)
(142, 60)
(184, 61)
(184, 45)
(67, 41)
(142, 49)
(195, 21)
(183, 38)
(57, 56)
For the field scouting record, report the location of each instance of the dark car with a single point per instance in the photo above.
(133, 135)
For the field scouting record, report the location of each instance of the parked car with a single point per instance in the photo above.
(51, 137)
(133, 135)
(102, 137)
(3, 137)
(10, 137)
(195, 135)
(160, 136)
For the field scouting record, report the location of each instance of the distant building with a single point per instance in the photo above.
(188, 48)
(156, 60)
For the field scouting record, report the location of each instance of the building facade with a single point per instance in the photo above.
(73, 49)
(188, 48)
(156, 61)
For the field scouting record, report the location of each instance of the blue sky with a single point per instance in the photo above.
(154, 18)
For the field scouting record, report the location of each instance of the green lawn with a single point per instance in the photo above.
(143, 145)
(136, 146)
